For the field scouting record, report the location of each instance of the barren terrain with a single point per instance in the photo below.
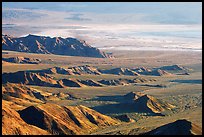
(170, 96)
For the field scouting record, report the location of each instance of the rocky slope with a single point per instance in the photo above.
(147, 103)
(69, 120)
(70, 83)
(22, 60)
(163, 71)
(77, 70)
(21, 94)
(159, 72)
(48, 45)
(30, 78)
(179, 127)
(13, 124)
(37, 117)
(120, 71)
(173, 67)
(43, 78)
(43, 119)
(21, 91)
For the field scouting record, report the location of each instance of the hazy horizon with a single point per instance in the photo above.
(106, 25)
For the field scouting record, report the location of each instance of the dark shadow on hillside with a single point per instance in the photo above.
(117, 98)
(121, 108)
(179, 127)
(39, 84)
(193, 81)
(152, 85)
(122, 104)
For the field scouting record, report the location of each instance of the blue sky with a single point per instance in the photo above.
(115, 22)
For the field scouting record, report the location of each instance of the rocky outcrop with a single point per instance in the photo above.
(90, 83)
(30, 78)
(77, 70)
(43, 78)
(147, 103)
(110, 82)
(173, 67)
(48, 45)
(141, 69)
(179, 127)
(120, 81)
(120, 71)
(56, 70)
(21, 91)
(70, 83)
(86, 69)
(132, 96)
(124, 118)
(160, 72)
(22, 60)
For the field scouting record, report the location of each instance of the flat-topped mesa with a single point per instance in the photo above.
(48, 45)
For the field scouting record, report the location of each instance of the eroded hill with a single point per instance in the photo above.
(22, 60)
(67, 120)
(179, 127)
(13, 124)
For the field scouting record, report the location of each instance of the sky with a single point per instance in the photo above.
(110, 25)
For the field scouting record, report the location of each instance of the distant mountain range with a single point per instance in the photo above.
(48, 45)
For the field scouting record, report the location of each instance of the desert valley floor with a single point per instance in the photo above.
(132, 93)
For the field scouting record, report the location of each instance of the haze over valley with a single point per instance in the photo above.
(118, 26)
(101, 68)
